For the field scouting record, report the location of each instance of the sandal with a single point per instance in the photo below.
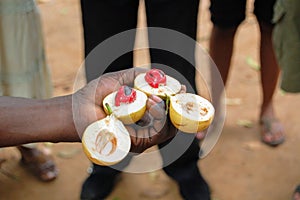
(2, 160)
(296, 195)
(272, 132)
(38, 163)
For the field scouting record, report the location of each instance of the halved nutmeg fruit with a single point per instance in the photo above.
(156, 82)
(127, 104)
(190, 113)
(107, 141)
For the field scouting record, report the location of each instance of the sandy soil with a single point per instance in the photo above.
(239, 167)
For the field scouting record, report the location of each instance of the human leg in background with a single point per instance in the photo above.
(24, 71)
(185, 170)
(179, 16)
(221, 48)
(226, 16)
(102, 20)
(271, 129)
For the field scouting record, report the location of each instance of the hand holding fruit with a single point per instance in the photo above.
(150, 130)
(107, 141)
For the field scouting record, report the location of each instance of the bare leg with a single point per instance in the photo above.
(221, 48)
(272, 132)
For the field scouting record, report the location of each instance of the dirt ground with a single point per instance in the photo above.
(239, 166)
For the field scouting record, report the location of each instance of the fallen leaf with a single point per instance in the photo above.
(282, 92)
(156, 191)
(48, 144)
(153, 176)
(2, 160)
(8, 174)
(44, 1)
(68, 153)
(251, 146)
(233, 101)
(252, 63)
(245, 123)
(64, 11)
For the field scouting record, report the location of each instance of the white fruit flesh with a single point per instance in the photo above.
(107, 141)
(172, 86)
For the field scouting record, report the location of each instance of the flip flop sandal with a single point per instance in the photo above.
(40, 165)
(270, 127)
(2, 160)
(296, 192)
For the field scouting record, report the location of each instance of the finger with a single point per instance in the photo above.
(145, 121)
(167, 132)
(200, 135)
(157, 138)
(158, 125)
(126, 77)
(156, 108)
(155, 98)
(131, 131)
(141, 142)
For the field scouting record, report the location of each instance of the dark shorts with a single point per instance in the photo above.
(230, 13)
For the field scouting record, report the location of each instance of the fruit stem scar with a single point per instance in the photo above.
(167, 104)
(108, 108)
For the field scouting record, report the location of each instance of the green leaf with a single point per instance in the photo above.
(233, 101)
(153, 176)
(252, 63)
(282, 92)
(64, 11)
(245, 123)
(8, 174)
(68, 153)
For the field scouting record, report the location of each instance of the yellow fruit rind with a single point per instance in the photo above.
(94, 160)
(96, 128)
(131, 118)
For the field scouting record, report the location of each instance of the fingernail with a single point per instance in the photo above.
(156, 98)
(151, 102)
(200, 135)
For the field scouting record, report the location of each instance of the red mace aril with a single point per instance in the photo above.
(125, 95)
(155, 78)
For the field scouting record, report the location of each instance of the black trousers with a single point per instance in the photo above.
(105, 18)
